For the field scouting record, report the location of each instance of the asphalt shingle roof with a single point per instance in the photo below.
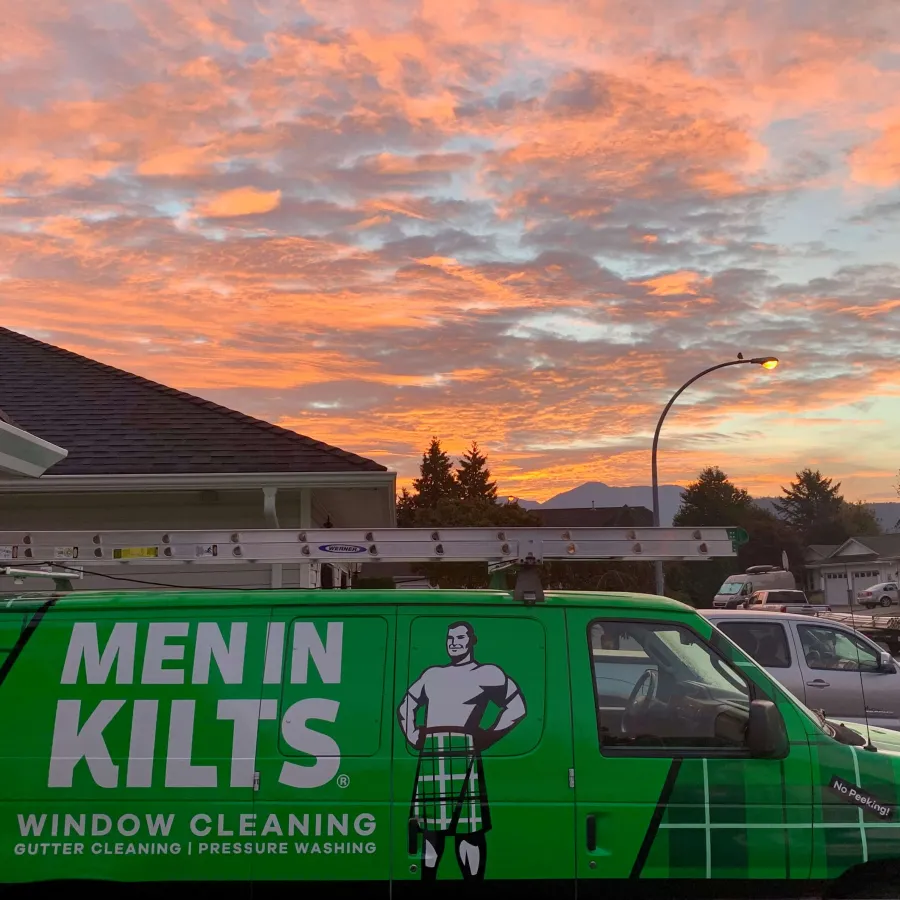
(882, 544)
(116, 423)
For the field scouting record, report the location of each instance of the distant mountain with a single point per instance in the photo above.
(600, 494)
(888, 514)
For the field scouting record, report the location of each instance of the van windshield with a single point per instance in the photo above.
(731, 587)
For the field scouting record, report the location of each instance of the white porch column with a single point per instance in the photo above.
(270, 510)
(306, 580)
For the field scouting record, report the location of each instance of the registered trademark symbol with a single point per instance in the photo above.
(343, 781)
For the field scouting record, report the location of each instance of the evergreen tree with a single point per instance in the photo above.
(712, 500)
(473, 477)
(435, 481)
(813, 506)
(406, 505)
(859, 520)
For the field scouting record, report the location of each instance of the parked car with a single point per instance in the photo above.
(825, 664)
(784, 602)
(884, 594)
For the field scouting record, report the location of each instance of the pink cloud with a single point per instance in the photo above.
(515, 220)
(877, 163)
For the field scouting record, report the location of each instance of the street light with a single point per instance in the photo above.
(767, 362)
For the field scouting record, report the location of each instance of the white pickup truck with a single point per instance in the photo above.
(825, 664)
(785, 602)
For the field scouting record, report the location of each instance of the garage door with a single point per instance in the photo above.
(836, 588)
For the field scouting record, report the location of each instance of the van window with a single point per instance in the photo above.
(830, 648)
(660, 686)
(766, 642)
(730, 587)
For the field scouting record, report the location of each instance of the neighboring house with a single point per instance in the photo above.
(841, 571)
(597, 517)
(143, 456)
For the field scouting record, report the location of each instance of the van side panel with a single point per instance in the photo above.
(857, 799)
(125, 743)
(483, 754)
(322, 810)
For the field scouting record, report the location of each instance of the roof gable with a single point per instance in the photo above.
(821, 551)
(886, 545)
(853, 547)
(115, 423)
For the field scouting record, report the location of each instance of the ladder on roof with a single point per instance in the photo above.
(499, 547)
(520, 545)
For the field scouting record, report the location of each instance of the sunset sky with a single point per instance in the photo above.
(525, 222)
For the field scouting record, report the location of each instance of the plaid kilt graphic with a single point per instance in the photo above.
(450, 795)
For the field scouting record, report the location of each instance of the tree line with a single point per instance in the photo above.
(811, 510)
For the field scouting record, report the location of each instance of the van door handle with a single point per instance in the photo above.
(412, 844)
(592, 833)
(820, 683)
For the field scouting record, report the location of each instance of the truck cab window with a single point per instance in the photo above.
(830, 648)
(660, 686)
(766, 642)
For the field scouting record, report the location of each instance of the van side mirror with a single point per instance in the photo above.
(766, 734)
(886, 662)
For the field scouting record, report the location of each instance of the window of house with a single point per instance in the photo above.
(659, 686)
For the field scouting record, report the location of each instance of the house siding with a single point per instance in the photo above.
(162, 511)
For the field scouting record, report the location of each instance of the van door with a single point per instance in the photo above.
(841, 675)
(483, 751)
(322, 810)
(664, 785)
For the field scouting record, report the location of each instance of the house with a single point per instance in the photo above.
(596, 517)
(841, 571)
(145, 456)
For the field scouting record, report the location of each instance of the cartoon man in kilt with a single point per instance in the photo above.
(450, 795)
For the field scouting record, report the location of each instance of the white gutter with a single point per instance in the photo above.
(68, 484)
(22, 453)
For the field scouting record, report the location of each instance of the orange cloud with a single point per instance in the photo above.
(878, 163)
(176, 161)
(240, 202)
(508, 220)
(674, 283)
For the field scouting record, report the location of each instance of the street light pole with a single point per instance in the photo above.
(767, 362)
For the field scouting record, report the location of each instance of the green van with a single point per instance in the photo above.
(397, 743)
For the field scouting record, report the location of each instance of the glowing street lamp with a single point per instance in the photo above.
(767, 362)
